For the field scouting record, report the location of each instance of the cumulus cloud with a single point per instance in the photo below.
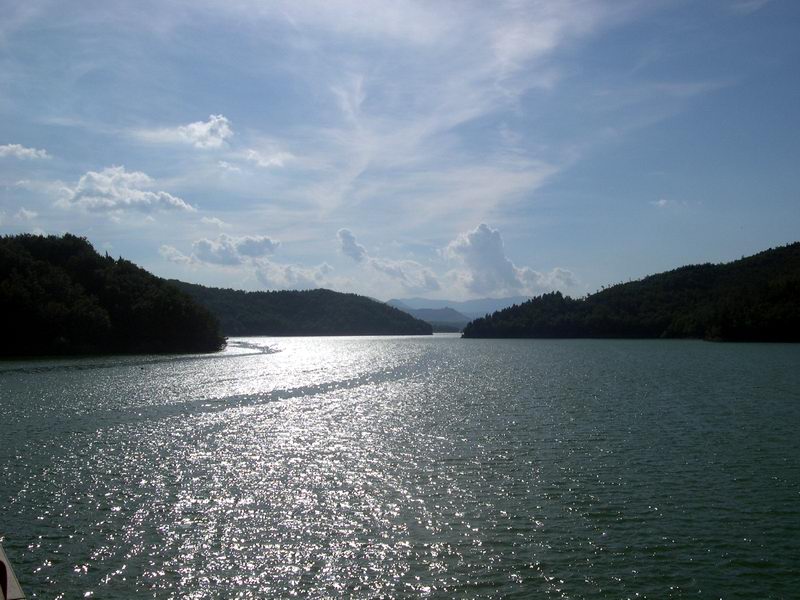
(277, 276)
(349, 246)
(227, 250)
(486, 270)
(115, 189)
(200, 134)
(19, 151)
(251, 251)
(413, 276)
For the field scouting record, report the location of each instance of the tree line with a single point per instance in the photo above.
(753, 299)
(59, 296)
(306, 312)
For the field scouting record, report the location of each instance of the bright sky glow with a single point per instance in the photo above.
(441, 149)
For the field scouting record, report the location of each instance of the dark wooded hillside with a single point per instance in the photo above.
(59, 296)
(308, 312)
(753, 299)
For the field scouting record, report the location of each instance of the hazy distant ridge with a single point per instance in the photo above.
(752, 299)
(469, 308)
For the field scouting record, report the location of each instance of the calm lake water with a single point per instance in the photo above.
(406, 467)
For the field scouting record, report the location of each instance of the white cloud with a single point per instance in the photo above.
(254, 246)
(413, 276)
(267, 159)
(251, 252)
(172, 254)
(227, 250)
(349, 246)
(486, 270)
(116, 189)
(200, 134)
(18, 151)
(278, 276)
(215, 221)
(24, 214)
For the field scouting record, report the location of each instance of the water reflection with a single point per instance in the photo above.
(373, 467)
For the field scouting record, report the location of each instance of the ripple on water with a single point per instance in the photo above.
(441, 467)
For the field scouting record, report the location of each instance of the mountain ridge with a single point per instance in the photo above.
(470, 308)
(301, 312)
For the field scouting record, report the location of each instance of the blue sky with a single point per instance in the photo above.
(440, 149)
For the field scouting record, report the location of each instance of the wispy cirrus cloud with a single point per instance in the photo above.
(746, 7)
(406, 121)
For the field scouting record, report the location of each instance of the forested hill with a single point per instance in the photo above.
(59, 296)
(311, 312)
(753, 299)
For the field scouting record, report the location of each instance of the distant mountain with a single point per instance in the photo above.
(469, 308)
(439, 315)
(59, 296)
(310, 312)
(442, 319)
(752, 299)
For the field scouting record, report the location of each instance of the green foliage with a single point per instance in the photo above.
(59, 296)
(752, 299)
(311, 312)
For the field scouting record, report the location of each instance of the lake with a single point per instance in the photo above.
(406, 467)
